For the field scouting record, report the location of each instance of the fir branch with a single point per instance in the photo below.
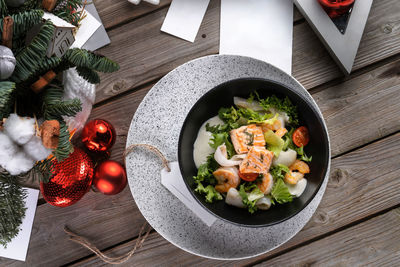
(28, 59)
(24, 21)
(12, 208)
(3, 9)
(6, 98)
(88, 74)
(102, 64)
(44, 170)
(64, 148)
(78, 57)
(63, 108)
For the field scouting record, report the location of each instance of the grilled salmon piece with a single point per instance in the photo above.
(258, 160)
(245, 137)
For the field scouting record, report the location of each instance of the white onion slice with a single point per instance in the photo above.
(233, 198)
(286, 158)
(242, 102)
(263, 203)
(297, 189)
(221, 156)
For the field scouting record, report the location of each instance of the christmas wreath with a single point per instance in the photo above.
(33, 131)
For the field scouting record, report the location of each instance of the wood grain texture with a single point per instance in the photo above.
(344, 107)
(358, 187)
(149, 54)
(371, 243)
(116, 12)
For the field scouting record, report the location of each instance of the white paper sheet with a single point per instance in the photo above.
(88, 27)
(100, 37)
(173, 181)
(262, 29)
(184, 18)
(18, 247)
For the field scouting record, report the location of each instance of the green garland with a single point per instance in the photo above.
(15, 94)
(12, 208)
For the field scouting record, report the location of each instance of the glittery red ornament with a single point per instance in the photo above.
(98, 135)
(110, 177)
(71, 180)
(336, 8)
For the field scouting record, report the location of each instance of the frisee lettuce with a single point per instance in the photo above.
(250, 199)
(218, 139)
(205, 171)
(209, 191)
(279, 171)
(284, 105)
(280, 193)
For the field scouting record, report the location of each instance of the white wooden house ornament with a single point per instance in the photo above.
(63, 36)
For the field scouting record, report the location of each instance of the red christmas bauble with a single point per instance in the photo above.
(110, 177)
(98, 135)
(336, 8)
(71, 180)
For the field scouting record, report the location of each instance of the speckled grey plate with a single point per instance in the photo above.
(158, 122)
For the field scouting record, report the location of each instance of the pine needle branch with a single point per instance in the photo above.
(6, 98)
(24, 21)
(102, 64)
(28, 59)
(12, 208)
(64, 148)
(88, 74)
(62, 108)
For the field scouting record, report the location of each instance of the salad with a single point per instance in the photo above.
(252, 154)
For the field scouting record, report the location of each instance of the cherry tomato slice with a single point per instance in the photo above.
(248, 177)
(300, 136)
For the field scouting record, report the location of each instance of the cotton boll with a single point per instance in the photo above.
(35, 149)
(19, 129)
(7, 147)
(19, 163)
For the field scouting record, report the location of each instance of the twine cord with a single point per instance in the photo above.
(140, 239)
(111, 260)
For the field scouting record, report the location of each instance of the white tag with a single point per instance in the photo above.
(262, 29)
(173, 181)
(18, 247)
(87, 28)
(184, 18)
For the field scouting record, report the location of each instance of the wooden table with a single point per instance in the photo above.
(358, 220)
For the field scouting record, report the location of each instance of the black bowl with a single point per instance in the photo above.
(222, 96)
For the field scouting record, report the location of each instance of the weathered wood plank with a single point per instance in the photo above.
(150, 54)
(371, 243)
(336, 104)
(358, 187)
(113, 12)
(345, 107)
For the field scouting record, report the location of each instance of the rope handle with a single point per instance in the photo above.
(156, 151)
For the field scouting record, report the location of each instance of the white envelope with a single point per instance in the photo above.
(262, 29)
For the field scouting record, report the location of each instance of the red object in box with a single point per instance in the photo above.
(336, 8)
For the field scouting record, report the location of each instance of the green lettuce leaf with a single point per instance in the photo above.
(218, 139)
(209, 191)
(279, 171)
(280, 193)
(250, 199)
